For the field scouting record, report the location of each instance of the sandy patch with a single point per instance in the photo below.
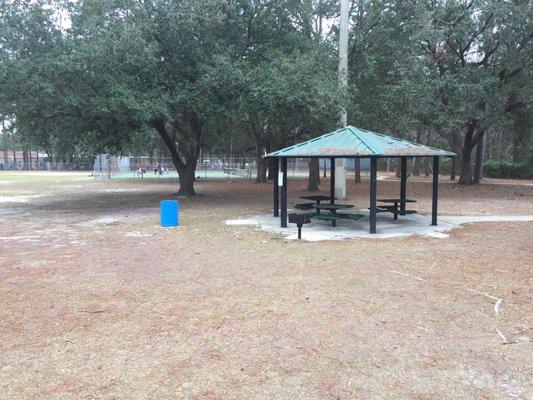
(104, 220)
(24, 239)
(18, 199)
(121, 190)
(137, 234)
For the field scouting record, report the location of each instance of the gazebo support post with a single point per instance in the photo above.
(276, 187)
(284, 193)
(373, 193)
(403, 181)
(332, 181)
(435, 191)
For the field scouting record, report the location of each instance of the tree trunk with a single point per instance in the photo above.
(426, 162)
(416, 166)
(522, 128)
(4, 135)
(466, 171)
(466, 156)
(314, 175)
(417, 161)
(186, 178)
(186, 170)
(261, 176)
(478, 167)
(397, 166)
(325, 169)
(357, 170)
(271, 169)
(453, 168)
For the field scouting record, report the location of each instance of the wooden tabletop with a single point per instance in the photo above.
(396, 201)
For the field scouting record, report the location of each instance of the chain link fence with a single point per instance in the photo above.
(207, 167)
(42, 165)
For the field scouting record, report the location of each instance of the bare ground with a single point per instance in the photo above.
(98, 302)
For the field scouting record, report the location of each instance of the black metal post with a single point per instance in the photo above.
(332, 181)
(435, 190)
(373, 193)
(284, 193)
(276, 187)
(403, 181)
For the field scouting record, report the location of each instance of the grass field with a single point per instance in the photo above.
(99, 302)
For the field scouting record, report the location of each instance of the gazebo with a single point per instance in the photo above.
(352, 142)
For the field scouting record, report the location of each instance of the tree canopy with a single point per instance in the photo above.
(116, 75)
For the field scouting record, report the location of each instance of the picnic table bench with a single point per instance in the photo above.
(332, 208)
(396, 207)
(304, 206)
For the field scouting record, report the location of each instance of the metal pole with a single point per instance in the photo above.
(403, 181)
(373, 193)
(435, 191)
(284, 193)
(276, 187)
(332, 181)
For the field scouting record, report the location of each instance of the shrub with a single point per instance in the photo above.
(504, 169)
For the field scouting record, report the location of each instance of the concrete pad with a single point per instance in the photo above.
(387, 227)
(243, 222)
(487, 218)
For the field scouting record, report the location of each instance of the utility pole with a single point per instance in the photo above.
(340, 163)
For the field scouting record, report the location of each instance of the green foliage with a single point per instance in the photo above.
(505, 169)
(255, 75)
(454, 68)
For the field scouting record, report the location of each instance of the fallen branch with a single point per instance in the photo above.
(498, 301)
(409, 276)
(504, 340)
(497, 306)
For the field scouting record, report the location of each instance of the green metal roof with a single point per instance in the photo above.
(355, 142)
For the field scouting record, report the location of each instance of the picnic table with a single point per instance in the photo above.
(316, 198)
(397, 206)
(332, 208)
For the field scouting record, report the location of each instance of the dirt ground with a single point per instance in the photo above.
(98, 302)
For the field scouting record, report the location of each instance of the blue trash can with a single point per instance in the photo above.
(170, 210)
